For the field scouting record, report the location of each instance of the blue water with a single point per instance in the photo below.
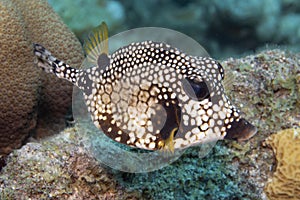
(224, 27)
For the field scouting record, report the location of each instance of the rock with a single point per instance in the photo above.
(58, 168)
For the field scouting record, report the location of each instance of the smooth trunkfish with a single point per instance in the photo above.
(151, 95)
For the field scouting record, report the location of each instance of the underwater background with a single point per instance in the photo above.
(258, 40)
(225, 28)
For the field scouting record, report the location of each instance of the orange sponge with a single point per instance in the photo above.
(285, 183)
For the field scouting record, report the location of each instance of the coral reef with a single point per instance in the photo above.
(32, 102)
(58, 169)
(265, 84)
(285, 183)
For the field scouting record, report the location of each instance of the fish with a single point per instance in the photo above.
(151, 95)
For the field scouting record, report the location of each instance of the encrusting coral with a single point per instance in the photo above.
(29, 100)
(285, 183)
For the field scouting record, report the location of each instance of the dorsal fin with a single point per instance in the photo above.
(96, 43)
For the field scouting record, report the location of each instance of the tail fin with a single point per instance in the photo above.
(52, 65)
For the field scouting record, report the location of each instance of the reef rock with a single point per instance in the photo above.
(32, 103)
(285, 183)
(58, 169)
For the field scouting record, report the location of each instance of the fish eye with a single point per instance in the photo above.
(195, 88)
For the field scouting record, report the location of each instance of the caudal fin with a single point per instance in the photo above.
(50, 64)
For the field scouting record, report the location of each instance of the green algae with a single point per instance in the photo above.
(191, 177)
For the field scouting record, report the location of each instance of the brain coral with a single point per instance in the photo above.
(31, 102)
(285, 183)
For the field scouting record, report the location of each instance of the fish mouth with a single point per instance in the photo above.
(241, 130)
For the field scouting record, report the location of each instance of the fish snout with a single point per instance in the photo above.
(240, 130)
